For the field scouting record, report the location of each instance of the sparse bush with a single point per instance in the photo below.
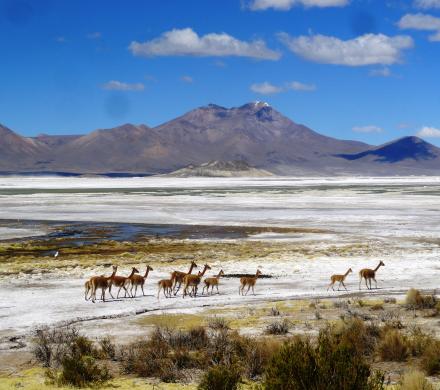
(393, 346)
(278, 327)
(333, 364)
(418, 341)
(80, 371)
(415, 300)
(414, 380)
(274, 312)
(108, 349)
(377, 306)
(69, 358)
(430, 360)
(354, 333)
(150, 358)
(218, 323)
(221, 378)
(51, 345)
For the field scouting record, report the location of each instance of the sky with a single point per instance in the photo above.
(367, 70)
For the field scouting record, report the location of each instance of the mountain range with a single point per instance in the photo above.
(254, 133)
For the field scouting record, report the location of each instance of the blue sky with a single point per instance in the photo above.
(352, 69)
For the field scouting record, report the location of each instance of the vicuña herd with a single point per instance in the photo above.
(191, 282)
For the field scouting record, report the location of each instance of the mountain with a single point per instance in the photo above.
(18, 153)
(220, 169)
(402, 156)
(254, 133)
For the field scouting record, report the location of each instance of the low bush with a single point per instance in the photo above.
(415, 300)
(51, 345)
(278, 327)
(108, 349)
(393, 346)
(414, 380)
(70, 358)
(221, 378)
(418, 341)
(150, 358)
(430, 359)
(218, 323)
(333, 363)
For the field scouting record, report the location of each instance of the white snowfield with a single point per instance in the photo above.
(401, 213)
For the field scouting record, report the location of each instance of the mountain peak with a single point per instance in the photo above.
(405, 148)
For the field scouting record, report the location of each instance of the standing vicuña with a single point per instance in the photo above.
(177, 277)
(193, 281)
(340, 279)
(139, 280)
(211, 282)
(121, 282)
(368, 275)
(101, 282)
(248, 281)
(167, 286)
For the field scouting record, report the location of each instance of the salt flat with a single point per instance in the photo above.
(400, 216)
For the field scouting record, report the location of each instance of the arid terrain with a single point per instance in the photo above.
(296, 233)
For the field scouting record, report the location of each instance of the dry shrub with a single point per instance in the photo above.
(430, 359)
(51, 345)
(218, 323)
(150, 358)
(377, 306)
(414, 380)
(221, 378)
(108, 349)
(415, 300)
(278, 327)
(333, 363)
(418, 341)
(393, 346)
(356, 334)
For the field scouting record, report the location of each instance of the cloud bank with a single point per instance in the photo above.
(368, 49)
(285, 5)
(114, 85)
(186, 42)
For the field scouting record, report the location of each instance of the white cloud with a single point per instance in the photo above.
(297, 86)
(114, 85)
(285, 5)
(422, 22)
(427, 4)
(61, 39)
(186, 42)
(429, 132)
(368, 49)
(265, 88)
(381, 72)
(187, 79)
(367, 129)
(94, 35)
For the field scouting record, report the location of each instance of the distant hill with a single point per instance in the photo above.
(221, 169)
(254, 133)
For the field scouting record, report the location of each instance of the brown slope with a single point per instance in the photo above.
(254, 132)
(17, 152)
(121, 149)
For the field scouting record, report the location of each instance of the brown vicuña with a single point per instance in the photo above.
(211, 282)
(139, 280)
(102, 282)
(368, 275)
(121, 282)
(193, 281)
(167, 286)
(177, 277)
(340, 279)
(248, 281)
